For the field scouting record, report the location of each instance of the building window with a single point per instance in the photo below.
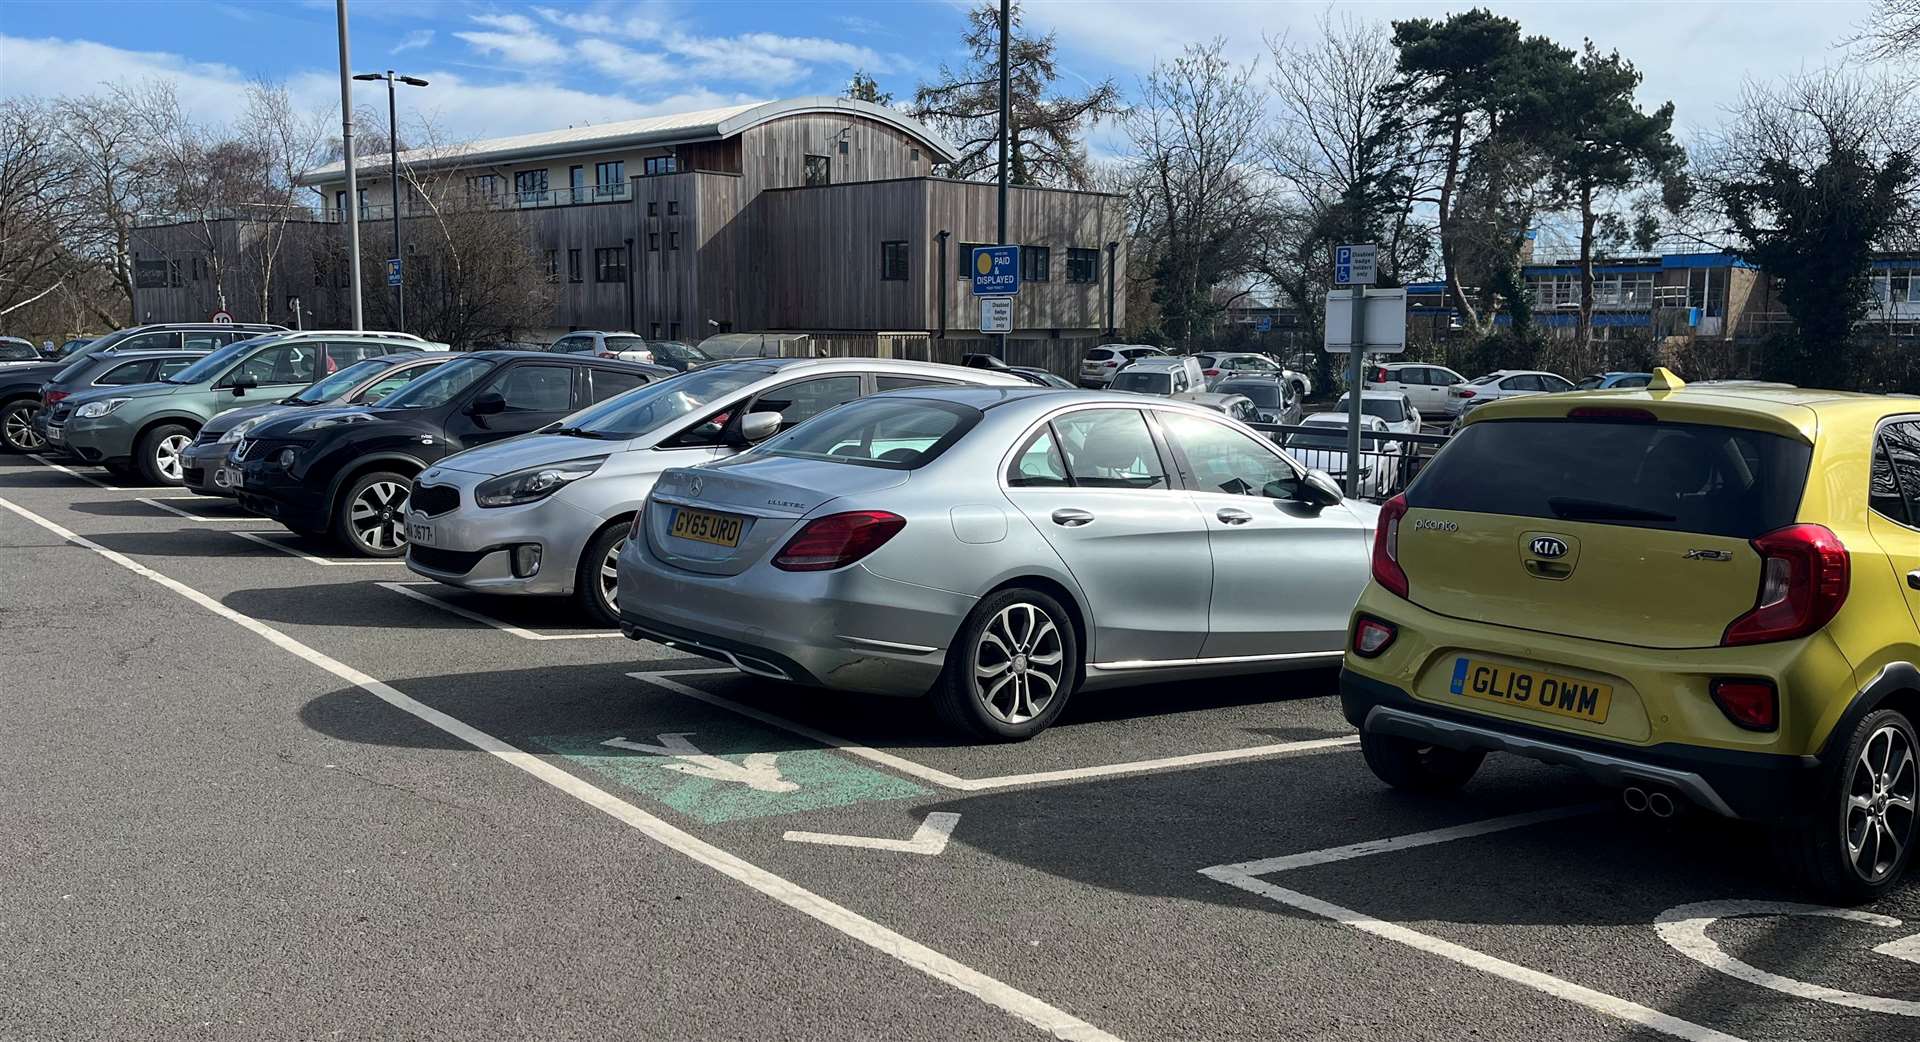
(893, 261)
(199, 269)
(551, 265)
(661, 165)
(1083, 265)
(673, 240)
(577, 181)
(964, 263)
(530, 186)
(656, 330)
(653, 242)
(914, 155)
(610, 179)
(673, 331)
(843, 146)
(483, 186)
(573, 265)
(673, 207)
(610, 264)
(819, 171)
(363, 203)
(653, 209)
(1036, 263)
(340, 205)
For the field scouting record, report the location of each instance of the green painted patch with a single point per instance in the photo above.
(729, 770)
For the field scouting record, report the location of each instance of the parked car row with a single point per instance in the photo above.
(1643, 584)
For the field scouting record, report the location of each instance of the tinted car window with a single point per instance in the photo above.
(798, 402)
(895, 433)
(1264, 393)
(1109, 448)
(535, 388)
(282, 364)
(1098, 354)
(128, 373)
(1390, 410)
(896, 383)
(387, 385)
(608, 382)
(441, 386)
(1039, 464)
(647, 409)
(12, 352)
(1145, 382)
(206, 339)
(339, 383)
(148, 341)
(171, 367)
(624, 343)
(1222, 459)
(1632, 381)
(1670, 476)
(1895, 486)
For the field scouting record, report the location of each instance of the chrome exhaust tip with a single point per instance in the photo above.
(1635, 798)
(1661, 804)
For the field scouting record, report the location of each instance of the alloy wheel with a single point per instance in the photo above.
(19, 430)
(166, 456)
(610, 575)
(1881, 795)
(377, 513)
(1018, 664)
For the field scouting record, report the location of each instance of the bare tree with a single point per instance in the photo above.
(1892, 32)
(285, 143)
(102, 136)
(36, 204)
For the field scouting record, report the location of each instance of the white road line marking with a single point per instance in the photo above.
(929, 839)
(89, 479)
(992, 991)
(406, 589)
(1242, 876)
(1685, 928)
(274, 544)
(202, 519)
(757, 771)
(959, 784)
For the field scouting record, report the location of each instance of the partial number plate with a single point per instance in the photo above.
(704, 527)
(420, 534)
(1530, 689)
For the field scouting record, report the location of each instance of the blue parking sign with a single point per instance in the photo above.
(996, 271)
(393, 271)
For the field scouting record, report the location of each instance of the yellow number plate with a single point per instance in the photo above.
(701, 526)
(1541, 692)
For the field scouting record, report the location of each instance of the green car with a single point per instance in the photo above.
(144, 428)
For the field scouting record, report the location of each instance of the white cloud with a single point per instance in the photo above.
(512, 23)
(413, 41)
(517, 48)
(601, 23)
(628, 65)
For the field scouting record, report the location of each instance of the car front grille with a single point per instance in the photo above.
(207, 437)
(194, 475)
(433, 500)
(450, 562)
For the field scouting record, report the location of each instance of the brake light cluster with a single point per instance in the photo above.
(1463, 392)
(1805, 573)
(50, 397)
(1386, 548)
(838, 540)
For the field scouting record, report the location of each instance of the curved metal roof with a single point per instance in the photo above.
(678, 128)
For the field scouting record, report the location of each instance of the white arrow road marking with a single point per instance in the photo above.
(929, 839)
(757, 771)
(1685, 928)
(1908, 949)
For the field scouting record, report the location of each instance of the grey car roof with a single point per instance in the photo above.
(859, 364)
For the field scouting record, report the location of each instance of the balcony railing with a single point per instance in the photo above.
(551, 197)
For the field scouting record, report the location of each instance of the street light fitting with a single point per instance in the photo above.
(413, 81)
(370, 76)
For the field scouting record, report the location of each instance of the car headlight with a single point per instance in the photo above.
(534, 483)
(320, 423)
(286, 458)
(239, 430)
(93, 409)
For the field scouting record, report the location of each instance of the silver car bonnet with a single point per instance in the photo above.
(528, 450)
(772, 494)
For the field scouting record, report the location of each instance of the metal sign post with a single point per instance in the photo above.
(1354, 266)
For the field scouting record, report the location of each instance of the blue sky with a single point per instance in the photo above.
(501, 68)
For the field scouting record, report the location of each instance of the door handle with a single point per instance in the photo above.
(1913, 579)
(1233, 516)
(1069, 518)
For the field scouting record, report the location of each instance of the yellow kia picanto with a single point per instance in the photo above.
(1700, 595)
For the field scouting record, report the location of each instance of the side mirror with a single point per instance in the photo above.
(489, 404)
(1319, 489)
(243, 383)
(756, 427)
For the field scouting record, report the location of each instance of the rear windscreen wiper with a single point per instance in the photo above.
(1594, 510)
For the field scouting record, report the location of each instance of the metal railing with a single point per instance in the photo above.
(1388, 461)
(551, 197)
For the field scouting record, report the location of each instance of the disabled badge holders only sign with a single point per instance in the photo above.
(393, 271)
(996, 314)
(996, 271)
(1354, 265)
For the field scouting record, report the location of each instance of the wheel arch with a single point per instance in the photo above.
(1896, 686)
(398, 462)
(1059, 591)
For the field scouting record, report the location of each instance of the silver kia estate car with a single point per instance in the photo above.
(547, 513)
(1000, 549)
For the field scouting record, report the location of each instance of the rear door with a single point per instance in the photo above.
(278, 371)
(1895, 498)
(1095, 485)
(1285, 575)
(1605, 529)
(605, 383)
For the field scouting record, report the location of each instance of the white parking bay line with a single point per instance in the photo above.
(990, 990)
(274, 544)
(1244, 876)
(406, 590)
(200, 518)
(70, 472)
(1004, 781)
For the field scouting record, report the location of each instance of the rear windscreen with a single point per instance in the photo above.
(1671, 476)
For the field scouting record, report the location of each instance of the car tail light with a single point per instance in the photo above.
(1386, 547)
(1750, 703)
(1805, 573)
(1464, 392)
(1111, 363)
(838, 540)
(608, 354)
(1211, 372)
(1372, 636)
(51, 397)
(638, 529)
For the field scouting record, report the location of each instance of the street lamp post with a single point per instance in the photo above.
(393, 169)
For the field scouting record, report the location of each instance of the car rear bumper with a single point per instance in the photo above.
(1753, 786)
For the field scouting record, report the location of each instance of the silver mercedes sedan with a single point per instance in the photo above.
(999, 550)
(547, 513)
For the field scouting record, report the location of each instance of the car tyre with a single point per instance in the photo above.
(1417, 767)
(16, 426)
(371, 518)
(158, 454)
(1011, 669)
(596, 582)
(1856, 837)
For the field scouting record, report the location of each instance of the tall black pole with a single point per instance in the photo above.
(393, 164)
(352, 207)
(1006, 29)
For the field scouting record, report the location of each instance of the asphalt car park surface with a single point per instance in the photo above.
(249, 788)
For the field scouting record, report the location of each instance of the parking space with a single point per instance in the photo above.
(718, 855)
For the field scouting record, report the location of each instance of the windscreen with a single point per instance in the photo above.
(625, 343)
(1388, 409)
(439, 387)
(674, 350)
(72, 370)
(647, 407)
(1319, 436)
(1263, 393)
(1672, 476)
(894, 433)
(341, 382)
(1144, 382)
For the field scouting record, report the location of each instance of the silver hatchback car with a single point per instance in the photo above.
(547, 513)
(1000, 550)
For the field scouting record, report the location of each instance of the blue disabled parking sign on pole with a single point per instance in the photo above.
(393, 271)
(996, 271)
